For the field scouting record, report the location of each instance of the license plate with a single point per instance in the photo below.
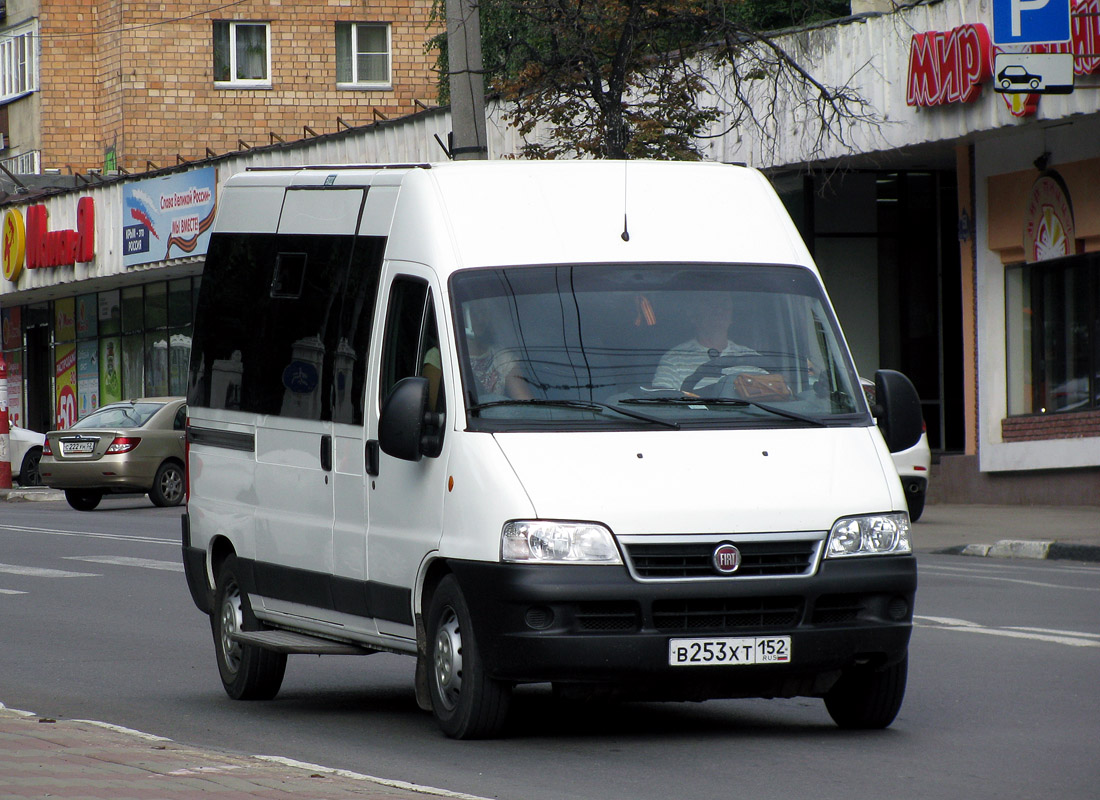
(75, 448)
(729, 652)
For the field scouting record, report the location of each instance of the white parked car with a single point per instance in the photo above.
(913, 465)
(26, 452)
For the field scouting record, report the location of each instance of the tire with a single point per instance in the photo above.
(83, 499)
(467, 703)
(168, 485)
(867, 699)
(247, 672)
(29, 474)
(915, 502)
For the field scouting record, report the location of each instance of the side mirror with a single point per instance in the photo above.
(406, 429)
(901, 419)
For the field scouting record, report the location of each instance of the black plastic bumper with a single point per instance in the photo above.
(194, 569)
(597, 625)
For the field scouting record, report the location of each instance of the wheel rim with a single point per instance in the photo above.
(231, 617)
(448, 659)
(171, 485)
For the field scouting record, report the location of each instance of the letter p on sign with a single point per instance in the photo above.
(1030, 21)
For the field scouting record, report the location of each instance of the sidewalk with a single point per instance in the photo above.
(78, 759)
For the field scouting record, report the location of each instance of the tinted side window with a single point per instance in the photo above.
(283, 323)
(412, 340)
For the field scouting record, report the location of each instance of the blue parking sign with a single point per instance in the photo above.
(1030, 21)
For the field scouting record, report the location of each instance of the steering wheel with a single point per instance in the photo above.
(713, 368)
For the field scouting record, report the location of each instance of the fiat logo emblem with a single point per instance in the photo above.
(726, 558)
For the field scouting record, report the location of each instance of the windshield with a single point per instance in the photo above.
(121, 415)
(665, 345)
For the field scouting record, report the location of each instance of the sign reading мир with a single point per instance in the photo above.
(951, 66)
(168, 217)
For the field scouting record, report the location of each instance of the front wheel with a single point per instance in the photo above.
(167, 485)
(247, 672)
(83, 499)
(866, 698)
(467, 703)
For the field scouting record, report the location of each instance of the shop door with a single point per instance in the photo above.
(38, 370)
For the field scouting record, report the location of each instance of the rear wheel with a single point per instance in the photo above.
(868, 698)
(467, 703)
(167, 485)
(247, 672)
(83, 499)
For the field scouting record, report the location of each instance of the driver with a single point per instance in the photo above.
(713, 312)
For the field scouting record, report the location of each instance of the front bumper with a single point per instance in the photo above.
(595, 625)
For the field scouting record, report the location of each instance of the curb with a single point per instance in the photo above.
(1026, 548)
(36, 494)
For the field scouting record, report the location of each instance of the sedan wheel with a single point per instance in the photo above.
(83, 499)
(168, 485)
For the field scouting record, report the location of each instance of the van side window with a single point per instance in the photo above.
(284, 324)
(412, 340)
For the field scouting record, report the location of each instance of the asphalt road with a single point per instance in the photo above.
(1003, 700)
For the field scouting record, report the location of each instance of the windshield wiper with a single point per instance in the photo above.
(726, 401)
(582, 404)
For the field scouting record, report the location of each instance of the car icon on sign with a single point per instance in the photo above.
(1016, 75)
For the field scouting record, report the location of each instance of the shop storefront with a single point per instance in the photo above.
(103, 283)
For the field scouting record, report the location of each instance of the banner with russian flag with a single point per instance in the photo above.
(169, 217)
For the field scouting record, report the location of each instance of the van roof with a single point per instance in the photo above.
(507, 212)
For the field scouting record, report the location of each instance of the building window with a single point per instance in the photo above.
(18, 61)
(242, 53)
(1053, 328)
(362, 55)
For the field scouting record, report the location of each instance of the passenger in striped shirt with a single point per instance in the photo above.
(713, 314)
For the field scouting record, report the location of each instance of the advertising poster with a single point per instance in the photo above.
(64, 325)
(87, 378)
(12, 330)
(15, 387)
(65, 381)
(110, 313)
(110, 379)
(87, 317)
(168, 217)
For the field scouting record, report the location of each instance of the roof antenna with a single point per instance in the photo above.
(626, 232)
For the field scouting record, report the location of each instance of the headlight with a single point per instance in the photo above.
(546, 542)
(874, 534)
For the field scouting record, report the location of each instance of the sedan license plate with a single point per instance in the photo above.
(729, 652)
(76, 448)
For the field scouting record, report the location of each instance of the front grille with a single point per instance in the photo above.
(722, 615)
(607, 617)
(677, 560)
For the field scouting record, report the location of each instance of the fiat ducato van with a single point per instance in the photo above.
(586, 424)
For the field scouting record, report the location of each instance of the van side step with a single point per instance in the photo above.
(293, 643)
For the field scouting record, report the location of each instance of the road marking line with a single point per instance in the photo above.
(11, 591)
(1048, 630)
(130, 561)
(357, 776)
(1040, 584)
(1042, 635)
(43, 572)
(115, 537)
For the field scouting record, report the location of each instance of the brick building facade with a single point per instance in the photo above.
(127, 83)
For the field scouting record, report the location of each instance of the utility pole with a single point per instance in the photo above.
(468, 136)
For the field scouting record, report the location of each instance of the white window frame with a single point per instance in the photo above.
(245, 83)
(355, 83)
(19, 61)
